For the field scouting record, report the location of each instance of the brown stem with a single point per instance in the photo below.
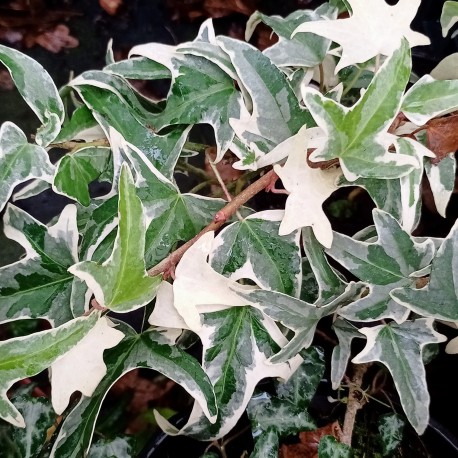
(166, 265)
(355, 401)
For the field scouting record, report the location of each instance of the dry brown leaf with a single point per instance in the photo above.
(110, 6)
(442, 136)
(54, 40)
(192, 9)
(309, 441)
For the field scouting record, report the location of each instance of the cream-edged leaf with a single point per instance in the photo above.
(309, 188)
(399, 347)
(23, 357)
(20, 161)
(369, 31)
(358, 136)
(449, 16)
(39, 285)
(447, 68)
(38, 90)
(121, 282)
(82, 368)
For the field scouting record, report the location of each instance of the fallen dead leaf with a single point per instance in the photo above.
(110, 6)
(53, 40)
(309, 441)
(442, 136)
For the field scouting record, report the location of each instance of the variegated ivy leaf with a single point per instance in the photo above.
(386, 264)
(23, 357)
(391, 430)
(139, 68)
(329, 283)
(111, 109)
(198, 287)
(151, 350)
(201, 92)
(252, 249)
(285, 414)
(276, 113)
(439, 298)
(358, 136)
(330, 447)
(172, 216)
(82, 368)
(341, 353)
(399, 347)
(441, 177)
(119, 446)
(447, 68)
(449, 16)
(369, 31)
(237, 343)
(38, 90)
(39, 285)
(303, 50)
(267, 445)
(299, 316)
(20, 161)
(429, 98)
(309, 188)
(27, 442)
(411, 183)
(76, 171)
(121, 282)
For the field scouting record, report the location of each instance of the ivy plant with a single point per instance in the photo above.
(333, 103)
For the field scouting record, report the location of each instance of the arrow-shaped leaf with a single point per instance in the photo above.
(358, 136)
(399, 347)
(121, 282)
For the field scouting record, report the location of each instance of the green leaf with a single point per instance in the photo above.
(237, 343)
(302, 50)
(399, 347)
(111, 110)
(252, 249)
(38, 90)
(150, 350)
(266, 445)
(201, 92)
(441, 179)
(121, 446)
(341, 353)
(20, 161)
(385, 264)
(39, 416)
(78, 126)
(391, 430)
(76, 171)
(121, 283)
(358, 136)
(299, 316)
(174, 216)
(330, 447)
(439, 298)
(449, 16)
(429, 98)
(39, 285)
(276, 113)
(24, 357)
